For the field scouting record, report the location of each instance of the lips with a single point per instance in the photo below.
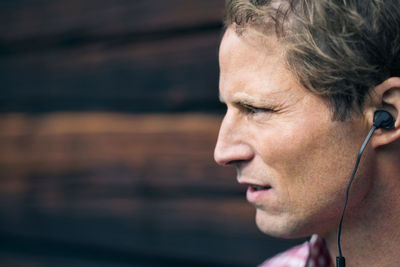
(258, 187)
(255, 194)
(255, 191)
(254, 185)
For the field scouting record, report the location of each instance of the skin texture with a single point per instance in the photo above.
(294, 147)
(278, 134)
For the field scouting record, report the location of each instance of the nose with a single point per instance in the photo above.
(232, 145)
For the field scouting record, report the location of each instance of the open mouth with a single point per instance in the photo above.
(257, 193)
(258, 187)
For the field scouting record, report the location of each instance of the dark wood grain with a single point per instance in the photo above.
(179, 74)
(22, 19)
(126, 184)
(108, 120)
(128, 56)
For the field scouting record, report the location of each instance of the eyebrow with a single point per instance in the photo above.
(243, 99)
(246, 99)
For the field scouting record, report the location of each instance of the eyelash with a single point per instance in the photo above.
(255, 110)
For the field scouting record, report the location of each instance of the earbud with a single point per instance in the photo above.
(383, 119)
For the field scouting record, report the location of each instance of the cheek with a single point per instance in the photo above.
(295, 150)
(308, 163)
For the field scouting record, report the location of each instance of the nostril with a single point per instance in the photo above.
(233, 162)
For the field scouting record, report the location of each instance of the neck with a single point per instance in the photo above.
(370, 235)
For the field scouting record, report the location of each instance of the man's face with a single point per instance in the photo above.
(281, 138)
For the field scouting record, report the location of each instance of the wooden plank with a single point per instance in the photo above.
(181, 144)
(133, 184)
(21, 19)
(101, 188)
(179, 74)
(129, 56)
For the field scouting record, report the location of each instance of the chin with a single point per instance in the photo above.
(280, 227)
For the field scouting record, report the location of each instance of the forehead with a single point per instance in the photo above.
(235, 45)
(253, 64)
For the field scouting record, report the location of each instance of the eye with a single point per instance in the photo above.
(254, 110)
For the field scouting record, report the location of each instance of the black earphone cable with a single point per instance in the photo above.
(340, 261)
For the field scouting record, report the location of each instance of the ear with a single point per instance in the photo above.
(387, 97)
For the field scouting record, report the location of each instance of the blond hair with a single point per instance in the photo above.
(340, 49)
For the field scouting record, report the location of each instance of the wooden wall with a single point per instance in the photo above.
(108, 117)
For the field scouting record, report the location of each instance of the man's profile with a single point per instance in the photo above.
(301, 80)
